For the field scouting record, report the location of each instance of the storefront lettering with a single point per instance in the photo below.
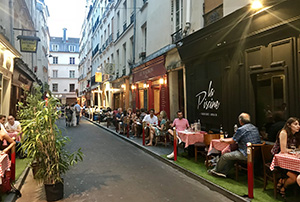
(146, 72)
(206, 98)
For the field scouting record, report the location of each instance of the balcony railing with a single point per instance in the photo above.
(132, 18)
(176, 36)
(124, 26)
(94, 52)
(118, 34)
(110, 39)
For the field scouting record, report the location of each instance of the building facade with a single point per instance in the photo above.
(63, 68)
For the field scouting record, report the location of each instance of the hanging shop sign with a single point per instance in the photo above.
(28, 43)
(98, 77)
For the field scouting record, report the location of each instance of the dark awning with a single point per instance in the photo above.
(150, 69)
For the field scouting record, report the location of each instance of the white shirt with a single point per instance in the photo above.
(152, 120)
(12, 127)
(2, 127)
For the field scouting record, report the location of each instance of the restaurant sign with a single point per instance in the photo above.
(28, 43)
(205, 101)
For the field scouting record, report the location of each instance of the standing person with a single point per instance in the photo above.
(244, 134)
(74, 121)
(12, 126)
(83, 110)
(2, 122)
(180, 124)
(77, 110)
(287, 140)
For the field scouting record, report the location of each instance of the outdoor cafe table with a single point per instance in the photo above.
(286, 161)
(4, 165)
(191, 137)
(216, 146)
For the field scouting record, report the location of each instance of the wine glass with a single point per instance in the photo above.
(226, 134)
(293, 147)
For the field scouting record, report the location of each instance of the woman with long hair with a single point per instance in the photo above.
(156, 130)
(286, 141)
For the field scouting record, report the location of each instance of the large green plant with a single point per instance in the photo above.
(42, 139)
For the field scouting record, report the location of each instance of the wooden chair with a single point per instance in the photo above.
(164, 134)
(268, 174)
(207, 139)
(256, 157)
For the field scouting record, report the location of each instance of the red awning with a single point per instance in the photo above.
(150, 69)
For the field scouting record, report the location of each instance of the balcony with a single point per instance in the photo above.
(80, 78)
(118, 34)
(131, 17)
(94, 52)
(124, 26)
(177, 36)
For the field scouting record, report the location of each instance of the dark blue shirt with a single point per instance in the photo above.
(244, 134)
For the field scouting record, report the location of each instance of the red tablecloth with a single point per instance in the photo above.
(286, 161)
(4, 164)
(15, 135)
(190, 138)
(216, 145)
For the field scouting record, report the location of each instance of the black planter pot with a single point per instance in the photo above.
(54, 192)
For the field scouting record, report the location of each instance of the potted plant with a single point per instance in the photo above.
(43, 141)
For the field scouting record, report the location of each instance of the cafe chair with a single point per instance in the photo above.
(256, 157)
(198, 147)
(164, 136)
(268, 174)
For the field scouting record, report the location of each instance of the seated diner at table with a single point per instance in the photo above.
(4, 136)
(12, 125)
(150, 119)
(2, 122)
(286, 141)
(180, 124)
(157, 130)
(244, 134)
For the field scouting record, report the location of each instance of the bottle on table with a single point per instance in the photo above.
(199, 125)
(221, 132)
(235, 127)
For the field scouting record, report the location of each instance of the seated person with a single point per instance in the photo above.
(12, 126)
(118, 118)
(180, 124)
(244, 134)
(137, 123)
(157, 130)
(150, 119)
(10, 142)
(2, 122)
(123, 122)
(286, 139)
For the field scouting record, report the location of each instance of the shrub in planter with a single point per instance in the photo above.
(43, 141)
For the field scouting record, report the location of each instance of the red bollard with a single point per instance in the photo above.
(13, 163)
(250, 170)
(175, 144)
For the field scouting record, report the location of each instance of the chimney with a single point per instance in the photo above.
(65, 35)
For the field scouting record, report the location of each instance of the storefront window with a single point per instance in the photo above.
(270, 103)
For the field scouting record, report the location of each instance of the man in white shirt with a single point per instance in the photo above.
(77, 110)
(12, 126)
(151, 118)
(2, 122)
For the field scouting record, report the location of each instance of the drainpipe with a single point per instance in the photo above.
(134, 31)
(188, 17)
(12, 41)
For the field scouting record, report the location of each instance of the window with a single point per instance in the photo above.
(144, 32)
(72, 60)
(55, 87)
(55, 47)
(55, 60)
(55, 73)
(72, 73)
(72, 87)
(72, 48)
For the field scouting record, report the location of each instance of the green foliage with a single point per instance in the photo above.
(42, 140)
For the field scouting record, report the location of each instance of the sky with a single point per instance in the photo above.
(65, 14)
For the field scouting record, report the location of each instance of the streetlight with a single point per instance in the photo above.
(256, 4)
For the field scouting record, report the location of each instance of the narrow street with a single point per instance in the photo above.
(114, 170)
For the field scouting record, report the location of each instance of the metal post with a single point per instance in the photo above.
(250, 170)
(175, 144)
